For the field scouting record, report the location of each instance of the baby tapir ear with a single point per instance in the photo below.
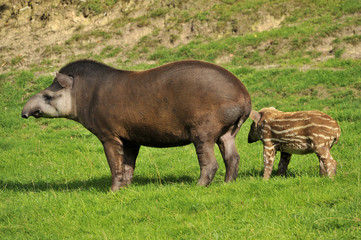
(255, 116)
(64, 80)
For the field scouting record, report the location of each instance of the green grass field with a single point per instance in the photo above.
(54, 178)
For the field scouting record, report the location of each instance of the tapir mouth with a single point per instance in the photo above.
(36, 114)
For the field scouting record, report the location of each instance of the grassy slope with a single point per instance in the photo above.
(54, 179)
(310, 32)
(305, 26)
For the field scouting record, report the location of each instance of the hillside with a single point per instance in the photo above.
(126, 33)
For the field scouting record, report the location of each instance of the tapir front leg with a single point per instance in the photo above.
(269, 153)
(121, 159)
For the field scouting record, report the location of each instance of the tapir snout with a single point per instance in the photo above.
(31, 108)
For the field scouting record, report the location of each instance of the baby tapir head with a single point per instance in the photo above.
(52, 102)
(257, 125)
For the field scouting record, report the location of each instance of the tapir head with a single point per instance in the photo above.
(255, 131)
(258, 122)
(54, 101)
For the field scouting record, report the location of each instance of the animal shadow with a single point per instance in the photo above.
(164, 180)
(259, 173)
(100, 184)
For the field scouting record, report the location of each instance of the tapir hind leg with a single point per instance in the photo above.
(283, 164)
(121, 159)
(227, 147)
(327, 164)
(207, 162)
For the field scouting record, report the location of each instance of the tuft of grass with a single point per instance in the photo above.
(341, 63)
(16, 60)
(355, 39)
(158, 12)
(338, 53)
(55, 49)
(110, 51)
(96, 7)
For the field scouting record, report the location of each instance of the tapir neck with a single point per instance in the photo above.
(92, 92)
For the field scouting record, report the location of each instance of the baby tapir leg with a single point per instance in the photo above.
(283, 164)
(121, 159)
(327, 164)
(268, 158)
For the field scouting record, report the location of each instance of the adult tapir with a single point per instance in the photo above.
(172, 105)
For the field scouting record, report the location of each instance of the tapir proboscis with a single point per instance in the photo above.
(172, 105)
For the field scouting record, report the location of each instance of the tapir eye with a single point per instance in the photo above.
(47, 97)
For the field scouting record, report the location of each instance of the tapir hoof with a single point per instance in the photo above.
(116, 185)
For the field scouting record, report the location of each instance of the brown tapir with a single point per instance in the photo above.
(172, 105)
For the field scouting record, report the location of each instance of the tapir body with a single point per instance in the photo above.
(172, 105)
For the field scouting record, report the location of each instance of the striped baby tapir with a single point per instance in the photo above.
(290, 133)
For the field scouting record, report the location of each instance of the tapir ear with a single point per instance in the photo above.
(255, 116)
(64, 80)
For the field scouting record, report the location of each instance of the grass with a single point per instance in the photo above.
(54, 178)
(96, 7)
(16, 60)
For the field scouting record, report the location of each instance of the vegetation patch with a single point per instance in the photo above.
(96, 7)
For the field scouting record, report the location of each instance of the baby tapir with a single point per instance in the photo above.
(294, 133)
(176, 104)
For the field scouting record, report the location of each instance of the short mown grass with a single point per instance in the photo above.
(54, 178)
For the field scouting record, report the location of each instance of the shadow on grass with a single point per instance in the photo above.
(101, 184)
(167, 180)
(259, 173)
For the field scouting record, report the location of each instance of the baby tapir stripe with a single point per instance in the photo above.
(290, 133)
